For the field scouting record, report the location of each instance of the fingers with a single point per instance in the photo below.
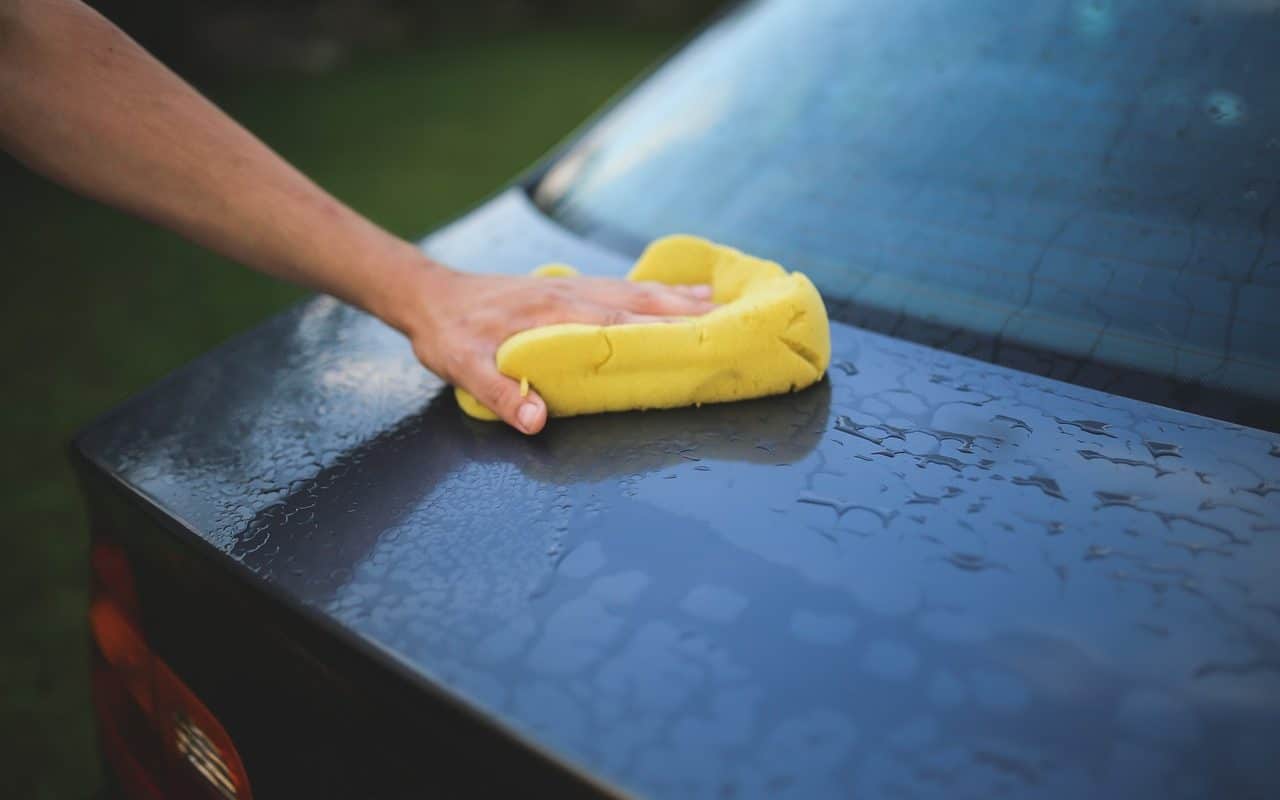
(663, 300)
(643, 297)
(616, 316)
(501, 395)
(480, 313)
(590, 312)
(699, 291)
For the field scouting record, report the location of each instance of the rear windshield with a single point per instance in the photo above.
(1085, 188)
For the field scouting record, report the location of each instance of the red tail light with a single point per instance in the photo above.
(158, 738)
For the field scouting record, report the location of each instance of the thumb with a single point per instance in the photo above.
(526, 412)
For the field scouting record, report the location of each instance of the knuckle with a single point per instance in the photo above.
(588, 313)
(457, 361)
(552, 302)
(538, 304)
(501, 392)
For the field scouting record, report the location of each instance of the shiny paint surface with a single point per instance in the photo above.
(926, 574)
(1084, 189)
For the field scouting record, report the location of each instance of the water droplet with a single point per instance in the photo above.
(953, 463)
(841, 508)
(1196, 548)
(1263, 488)
(847, 425)
(1096, 552)
(1158, 449)
(1094, 455)
(1014, 422)
(1091, 426)
(1106, 499)
(1210, 504)
(972, 562)
(1225, 108)
(1028, 773)
(1044, 483)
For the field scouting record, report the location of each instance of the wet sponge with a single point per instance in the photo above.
(769, 335)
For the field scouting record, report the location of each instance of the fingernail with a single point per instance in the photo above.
(701, 291)
(527, 416)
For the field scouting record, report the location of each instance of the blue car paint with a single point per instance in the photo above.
(926, 575)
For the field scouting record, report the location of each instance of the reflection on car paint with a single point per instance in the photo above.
(925, 572)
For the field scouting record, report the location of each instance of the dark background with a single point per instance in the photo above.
(410, 112)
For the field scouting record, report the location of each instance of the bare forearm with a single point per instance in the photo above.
(85, 105)
(82, 103)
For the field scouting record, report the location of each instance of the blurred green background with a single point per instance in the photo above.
(409, 112)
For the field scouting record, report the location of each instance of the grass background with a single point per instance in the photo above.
(95, 306)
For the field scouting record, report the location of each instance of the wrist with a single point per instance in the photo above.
(410, 286)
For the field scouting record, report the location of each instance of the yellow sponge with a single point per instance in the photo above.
(769, 335)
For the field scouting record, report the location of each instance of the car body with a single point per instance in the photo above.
(928, 575)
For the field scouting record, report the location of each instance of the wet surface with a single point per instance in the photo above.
(1083, 189)
(926, 575)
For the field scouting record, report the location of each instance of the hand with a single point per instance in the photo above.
(459, 320)
(85, 105)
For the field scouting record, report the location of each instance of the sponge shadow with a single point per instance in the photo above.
(373, 488)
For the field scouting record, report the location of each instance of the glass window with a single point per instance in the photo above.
(1091, 178)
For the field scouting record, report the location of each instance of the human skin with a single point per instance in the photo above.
(85, 105)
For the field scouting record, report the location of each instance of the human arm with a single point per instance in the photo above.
(83, 104)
